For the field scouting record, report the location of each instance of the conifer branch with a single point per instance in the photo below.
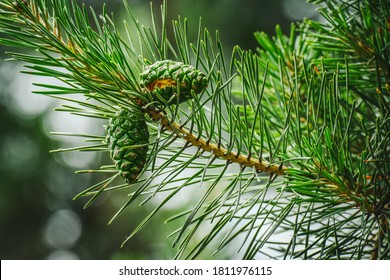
(305, 102)
(60, 44)
(216, 150)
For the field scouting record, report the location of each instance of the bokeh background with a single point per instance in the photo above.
(38, 217)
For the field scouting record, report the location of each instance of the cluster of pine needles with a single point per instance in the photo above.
(286, 150)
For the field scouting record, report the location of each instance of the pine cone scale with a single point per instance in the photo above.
(127, 139)
(169, 79)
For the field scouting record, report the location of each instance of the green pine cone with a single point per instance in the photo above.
(127, 139)
(171, 79)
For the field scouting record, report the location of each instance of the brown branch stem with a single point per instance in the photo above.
(218, 151)
(379, 236)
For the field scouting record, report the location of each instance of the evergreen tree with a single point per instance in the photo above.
(285, 150)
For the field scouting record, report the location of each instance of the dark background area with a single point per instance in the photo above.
(39, 218)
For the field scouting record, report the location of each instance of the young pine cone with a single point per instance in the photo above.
(172, 79)
(127, 139)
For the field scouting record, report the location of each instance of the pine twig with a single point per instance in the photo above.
(218, 151)
(384, 226)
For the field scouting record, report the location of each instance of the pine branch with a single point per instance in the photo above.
(117, 81)
(216, 150)
(298, 117)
